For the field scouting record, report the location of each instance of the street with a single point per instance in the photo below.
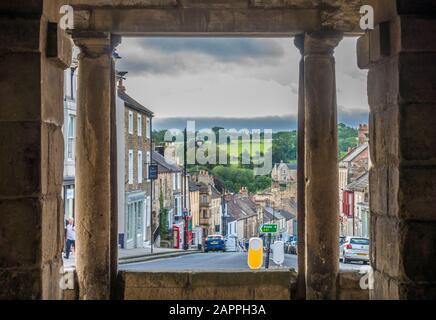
(215, 261)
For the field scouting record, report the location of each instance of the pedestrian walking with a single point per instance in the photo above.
(71, 237)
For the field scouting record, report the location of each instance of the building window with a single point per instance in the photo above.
(139, 166)
(71, 137)
(130, 169)
(139, 125)
(174, 181)
(130, 122)
(148, 128)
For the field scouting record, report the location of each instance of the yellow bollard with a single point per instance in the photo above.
(255, 253)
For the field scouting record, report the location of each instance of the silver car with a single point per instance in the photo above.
(355, 249)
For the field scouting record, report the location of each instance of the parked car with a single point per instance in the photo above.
(341, 242)
(291, 245)
(214, 242)
(355, 249)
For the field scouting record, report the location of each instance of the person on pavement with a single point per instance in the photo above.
(71, 237)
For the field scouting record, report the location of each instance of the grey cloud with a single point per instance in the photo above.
(222, 49)
(175, 55)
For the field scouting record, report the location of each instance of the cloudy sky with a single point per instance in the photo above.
(231, 78)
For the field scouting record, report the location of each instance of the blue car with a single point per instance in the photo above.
(214, 242)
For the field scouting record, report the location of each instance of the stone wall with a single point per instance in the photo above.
(229, 285)
(401, 56)
(33, 52)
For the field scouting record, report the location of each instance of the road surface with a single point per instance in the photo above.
(214, 261)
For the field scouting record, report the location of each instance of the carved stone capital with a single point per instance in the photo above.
(322, 43)
(95, 44)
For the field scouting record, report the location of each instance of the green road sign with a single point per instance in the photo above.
(268, 228)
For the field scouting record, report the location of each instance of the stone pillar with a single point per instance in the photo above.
(301, 184)
(33, 53)
(321, 166)
(93, 167)
(401, 56)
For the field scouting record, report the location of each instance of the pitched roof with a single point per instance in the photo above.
(355, 152)
(240, 207)
(162, 164)
(291, 166)
(193, 186)
(360, 184)
(132, 103)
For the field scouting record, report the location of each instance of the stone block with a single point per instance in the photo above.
(418, 249)
(21, 158)
(385, 288)
(22, 6)
(20, 34)
(423, 7)
(417, 75)
(144, 293)
(220, 293)
(383, 85)
(417, 193)
(272, 293)
(52, 229)
(418, 133)
(378, 189)
(349, 280)
(157, 279)
(385, 136)
(405, 29)
(388, 254)
(20, 87)
(363, 60)
(353, 294)
(52, 153)
(23, 284)
(20, 232)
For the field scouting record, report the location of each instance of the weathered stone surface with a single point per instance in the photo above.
(424, 7)
(405, 30)
(418, 129)
(383, 85)
(93, 167)
(20, 99)
(418, 194)
(21, 158)
(232, 285)
(52, 152)
(417, 72)
(22, 284)
(20, 232)
(157, 279)
(321, 166)
(418, 244)
(388, 248)
(363, 52)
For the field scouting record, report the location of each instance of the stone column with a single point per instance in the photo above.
(321, 166)
(93, 168)
(301, 185)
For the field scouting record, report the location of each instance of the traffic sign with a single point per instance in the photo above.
(268, 228)
(153, 171)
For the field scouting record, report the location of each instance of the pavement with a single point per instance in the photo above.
(135, 255)
(217, 261)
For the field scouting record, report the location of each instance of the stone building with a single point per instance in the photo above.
(355, 207)
(194, 210)
(134, 123)
(168, 191)
(69, 131)
(400, 56)
(284, 173)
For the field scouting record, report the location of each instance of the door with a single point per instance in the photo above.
(139, 224)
